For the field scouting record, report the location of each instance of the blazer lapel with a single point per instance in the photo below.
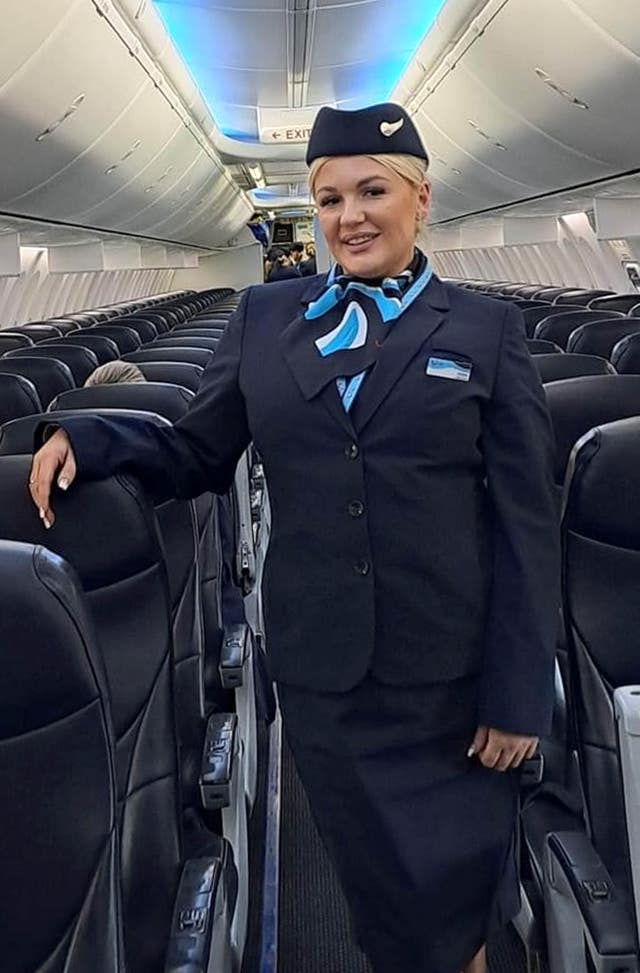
(408, 335)
(307, 366)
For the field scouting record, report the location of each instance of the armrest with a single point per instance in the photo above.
(233, 655)
(218, 753)
(626, 701)
(195, 914)
(245, 556)
(583, 906)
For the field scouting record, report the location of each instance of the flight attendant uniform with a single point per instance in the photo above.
(411, 583)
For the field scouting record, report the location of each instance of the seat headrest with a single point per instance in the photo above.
(48, 664)
(18, 397)
(17, 438)
(599, 337)
(169, 401)
(576, 405)
(553, 368)
(105, 528)
(175, 373)
(603, 485)
(81, 361)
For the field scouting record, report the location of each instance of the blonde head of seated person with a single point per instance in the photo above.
(115, 372)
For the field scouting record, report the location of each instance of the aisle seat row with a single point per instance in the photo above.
(581, 829)
(179, 668)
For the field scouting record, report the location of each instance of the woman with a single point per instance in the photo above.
(410, 592)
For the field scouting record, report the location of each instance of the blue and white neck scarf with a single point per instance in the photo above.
(358, 330)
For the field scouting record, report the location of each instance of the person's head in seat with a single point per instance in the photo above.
(368, 178)
(310, 250)
(115, 372)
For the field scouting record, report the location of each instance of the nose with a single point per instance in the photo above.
(352, 211)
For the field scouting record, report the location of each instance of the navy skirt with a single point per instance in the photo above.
(422, 838)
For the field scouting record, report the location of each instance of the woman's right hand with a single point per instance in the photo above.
(54, 459)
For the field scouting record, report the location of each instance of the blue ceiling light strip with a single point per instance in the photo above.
(390, 38)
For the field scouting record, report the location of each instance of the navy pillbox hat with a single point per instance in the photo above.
(376, 130)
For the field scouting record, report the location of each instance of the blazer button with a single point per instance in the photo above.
(356, 508)
(361, 567)
(352, 451)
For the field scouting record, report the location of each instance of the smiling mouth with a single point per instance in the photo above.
(361, 240)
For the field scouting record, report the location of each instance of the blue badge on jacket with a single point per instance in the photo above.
(459, 371)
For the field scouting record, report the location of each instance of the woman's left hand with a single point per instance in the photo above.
(501, 751)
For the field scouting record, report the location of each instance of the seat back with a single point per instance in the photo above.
(625, 355)
(104, 348)
(580, 296)
(39, 332)
(601, 533)
(208, 332)
(126, 339)
(18, 436)
(533, 316)
(173, 373)
(183, 542)
(49, 377)
(9, 341)
(61, 891)
(538, 347)
(80, 361)
(599, 337)
(169, 401)
(564, 321)
(173, 341)
(577, 405)
(196, 356)
(18, 397)
(144, 328)
(107, 531)
(616, 302)
(553, 368)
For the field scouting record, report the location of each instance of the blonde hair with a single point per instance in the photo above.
(408, 167)
(114, 372)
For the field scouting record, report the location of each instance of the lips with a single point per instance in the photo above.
(360, 240)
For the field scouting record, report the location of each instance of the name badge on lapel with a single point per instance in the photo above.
(459, 371)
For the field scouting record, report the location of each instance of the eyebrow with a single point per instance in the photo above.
(362, 182)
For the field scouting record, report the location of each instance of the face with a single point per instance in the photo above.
(368, 215)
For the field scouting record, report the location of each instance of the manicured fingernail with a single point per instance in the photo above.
(63, 483)
(41, 512)
(471, 751)
(46, 522)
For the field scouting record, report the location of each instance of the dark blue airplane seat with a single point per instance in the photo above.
(9, 340)
(58, 828)
(174, 373)
(80, 361)
(537, 347)
(616, 302)
(125, 338)
(107, 530)
(195, 356)
(625, 355)
(18, 397)
(49, 377)
(599, 337)
(553, 368)
(584, 860)
(564, 321)
(104, 348)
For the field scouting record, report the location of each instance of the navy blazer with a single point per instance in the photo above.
(416, 537)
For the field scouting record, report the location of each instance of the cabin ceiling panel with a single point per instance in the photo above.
(88, 136)
(29, 33)
(544, 97)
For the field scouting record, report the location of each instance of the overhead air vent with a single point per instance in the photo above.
(488, 138)
(127, 155)
(566, 94)
(71, 110)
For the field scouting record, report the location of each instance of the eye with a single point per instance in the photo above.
(329, 201)
(375, 191)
